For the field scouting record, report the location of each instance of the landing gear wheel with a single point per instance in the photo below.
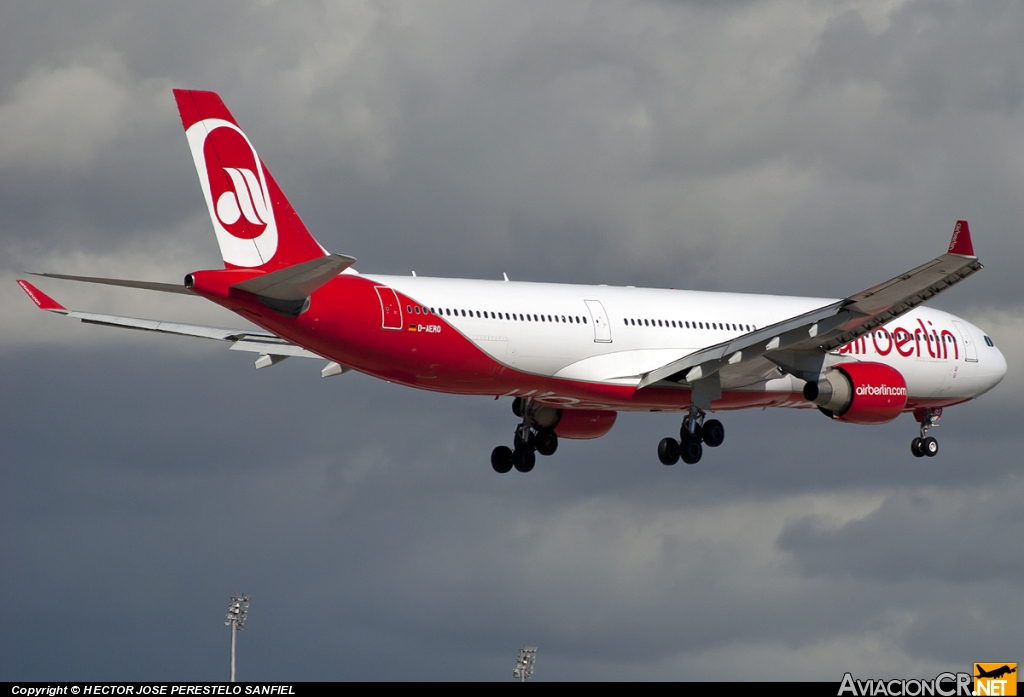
(523, 459)
(685, 435)
(690, 450)
(501, 459)
(915, 447)
(713, 432)
(668, 451)
(546, 442)
(930, 446)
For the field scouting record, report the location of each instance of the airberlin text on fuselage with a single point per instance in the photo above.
(936, 344)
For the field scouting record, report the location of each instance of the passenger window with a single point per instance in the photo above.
(989, 342)
(417, 309)
(408, 308)
(584, 319)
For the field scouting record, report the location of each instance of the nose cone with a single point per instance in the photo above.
(998, 367)
(992, 366)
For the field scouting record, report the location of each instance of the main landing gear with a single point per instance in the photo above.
(694, 432)
(925, 444)
(536, 434)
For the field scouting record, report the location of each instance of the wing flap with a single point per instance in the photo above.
(152, 325)
(271, 348)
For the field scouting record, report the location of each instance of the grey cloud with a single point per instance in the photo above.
(956, 536)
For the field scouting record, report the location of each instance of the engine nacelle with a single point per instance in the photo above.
(860, 393)
(582, 424)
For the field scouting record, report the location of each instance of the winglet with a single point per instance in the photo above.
(41, 299)
(961, 242)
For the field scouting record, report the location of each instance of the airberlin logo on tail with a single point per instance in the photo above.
(235, 187)
(248, 199)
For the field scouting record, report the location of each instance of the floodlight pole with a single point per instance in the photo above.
(237, 611)
(524, 664)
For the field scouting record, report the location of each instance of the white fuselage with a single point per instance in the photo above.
(613, 335)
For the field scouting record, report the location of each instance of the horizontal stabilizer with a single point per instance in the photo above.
(297, 282)
(144, 285)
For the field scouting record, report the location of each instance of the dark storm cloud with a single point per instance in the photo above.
(766, 147)
(954, 536)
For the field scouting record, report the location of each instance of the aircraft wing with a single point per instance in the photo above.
(271, 346)
(816, 332)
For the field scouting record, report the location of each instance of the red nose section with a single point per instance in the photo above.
(961, 242)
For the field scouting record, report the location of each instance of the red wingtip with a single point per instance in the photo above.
(41, 299)
(961, 242)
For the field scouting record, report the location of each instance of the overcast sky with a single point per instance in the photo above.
(794, 147)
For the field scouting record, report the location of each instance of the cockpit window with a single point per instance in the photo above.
(989, 342)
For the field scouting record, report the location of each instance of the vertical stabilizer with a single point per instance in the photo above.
(256, 227)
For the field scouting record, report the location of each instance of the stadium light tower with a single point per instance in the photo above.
(524, 664)
(237, 611)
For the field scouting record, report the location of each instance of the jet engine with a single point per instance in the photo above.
(859, 393)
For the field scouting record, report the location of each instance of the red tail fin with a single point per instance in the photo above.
(256, 226)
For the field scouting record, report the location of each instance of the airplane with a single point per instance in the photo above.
(570, 357)
(994, 673)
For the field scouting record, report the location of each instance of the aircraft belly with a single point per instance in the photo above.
(620, 366)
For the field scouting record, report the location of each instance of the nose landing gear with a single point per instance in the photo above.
(925, 445)
(694, 433)
(536, 434)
